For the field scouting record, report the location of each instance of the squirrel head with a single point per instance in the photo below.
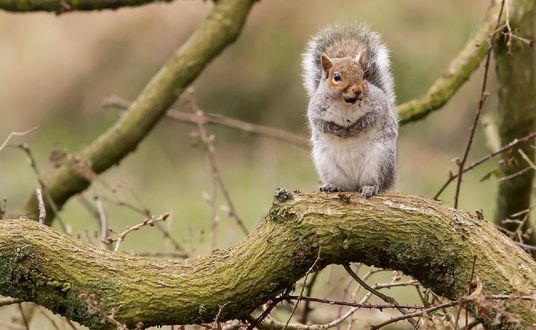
(345, 76)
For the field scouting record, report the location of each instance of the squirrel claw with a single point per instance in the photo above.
(367, 191)
(329, 187)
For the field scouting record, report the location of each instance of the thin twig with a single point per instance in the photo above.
(415, 314)
(469, 286)
(103, 221)
(526, 158)
(515, 174)
(120, 237)
(353, 304)
(484, 159)
(212, 118)
(303, 287)
(377, 293)
(142, 210)
(42, 210)
(33, 164)
(12, 134)
(216, 323)
(471, 324)
(268, 309)
(308, 291)
(483, 96)
(207, 141)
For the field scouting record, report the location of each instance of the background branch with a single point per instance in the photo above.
(456, 74)
(217, 119)
(220, 29)
(64, 6)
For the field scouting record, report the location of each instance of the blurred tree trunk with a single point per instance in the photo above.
(516, 74)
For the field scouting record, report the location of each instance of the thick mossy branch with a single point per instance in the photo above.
(456, 74)
(220, 29)
(64, 6)
(423, 238)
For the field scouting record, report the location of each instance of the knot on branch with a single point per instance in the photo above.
(282, 195)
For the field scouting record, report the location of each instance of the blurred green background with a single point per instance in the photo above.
(56, 70)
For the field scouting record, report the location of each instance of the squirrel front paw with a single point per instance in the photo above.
(329, 187)
(368, 191)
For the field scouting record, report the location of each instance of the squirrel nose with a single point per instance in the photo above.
(358, 92)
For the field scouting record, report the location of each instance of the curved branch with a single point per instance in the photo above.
(64, 6)
(422, 238)
(455, 75)
(220, 29)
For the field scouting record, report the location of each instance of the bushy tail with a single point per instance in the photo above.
(378, 70)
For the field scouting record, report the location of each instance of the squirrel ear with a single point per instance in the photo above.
(326, 63)
(359, 58)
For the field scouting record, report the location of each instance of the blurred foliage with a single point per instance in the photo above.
(55, 71)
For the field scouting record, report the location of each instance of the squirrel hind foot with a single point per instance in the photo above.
(367, 191)
(329, 187)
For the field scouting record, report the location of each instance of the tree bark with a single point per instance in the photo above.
(423, 238)
(516, 73)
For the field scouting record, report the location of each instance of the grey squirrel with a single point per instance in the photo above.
(354, 127)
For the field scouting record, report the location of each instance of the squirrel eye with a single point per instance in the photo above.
(337, 77)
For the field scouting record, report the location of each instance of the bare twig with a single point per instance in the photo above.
(33, 164)
(527, 159)
(377, 293)
(415, 314)
(469, 286)
(103, 222)
(120, 237)
(12, 134)
(508, 34)
(42, 210)
(140, 209)
(95, 307)
(216, 323)
(209, 147)
(484, 159)
(483, 96)
(268, 309)
(308, 291)
(471, 325)
(515, 174)
(217, 119)
(303, 287)
(353, 304)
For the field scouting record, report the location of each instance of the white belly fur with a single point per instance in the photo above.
(348, 163)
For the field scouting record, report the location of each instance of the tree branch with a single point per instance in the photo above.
(64, 6)
(220, 29)
(423, 238)
(456, 74)
(218, 119)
